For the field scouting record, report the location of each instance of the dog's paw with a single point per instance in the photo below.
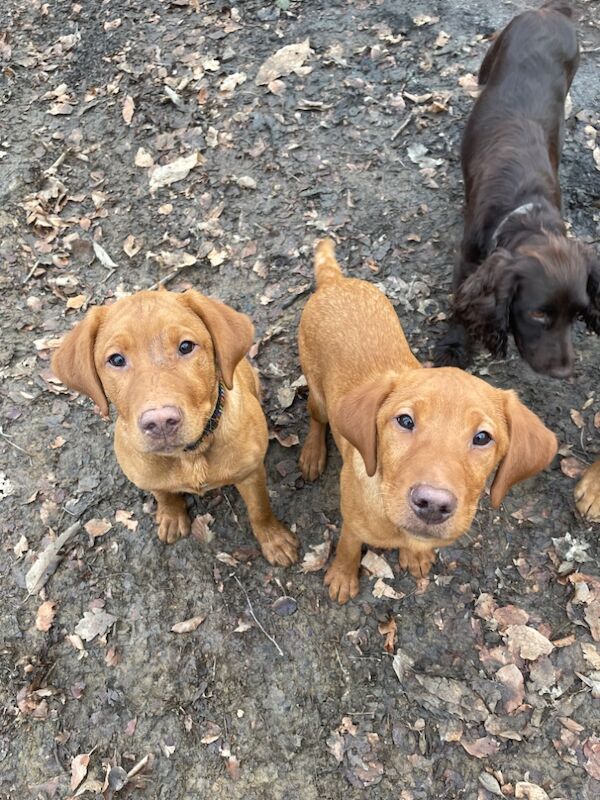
(313, 458)
(587, 494)
(279, 546)
(417, 562)
(343, 584)
(173, 521)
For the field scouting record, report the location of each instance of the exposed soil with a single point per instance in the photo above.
(219, 711)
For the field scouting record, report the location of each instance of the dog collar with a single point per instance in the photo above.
(213, 422)
(516, 212)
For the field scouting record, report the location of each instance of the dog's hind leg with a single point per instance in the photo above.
(314, 453)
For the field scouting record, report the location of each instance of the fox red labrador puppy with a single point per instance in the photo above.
(417, 444)
(189, 415)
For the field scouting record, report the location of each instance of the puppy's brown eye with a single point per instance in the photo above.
(481, 439)
(405, 421)
(117, 360)
(186, 347)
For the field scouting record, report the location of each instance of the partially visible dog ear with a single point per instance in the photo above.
(73, 362)
(232, 333)
(531, 448)
(482, 302)
(591, 315)
(356, 418)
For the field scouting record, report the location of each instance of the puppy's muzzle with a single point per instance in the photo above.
(431, 505)
(161, 423)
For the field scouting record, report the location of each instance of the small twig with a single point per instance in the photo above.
(402, 127)
(168, 277)
(253, 615)
(12, 444)
(342, 667)
(52, 169)
(30, 273)
(233, 514)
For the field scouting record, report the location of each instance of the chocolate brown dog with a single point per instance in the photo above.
(189, 415)
(417, 444)
(518, 272)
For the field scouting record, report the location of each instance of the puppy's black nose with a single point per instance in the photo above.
(160, 423)
(431, 505)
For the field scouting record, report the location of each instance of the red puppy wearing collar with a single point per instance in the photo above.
(189, 416)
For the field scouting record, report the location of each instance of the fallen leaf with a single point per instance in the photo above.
(45, 615)
(128, 109)
(572, 467)
(388, 630)
(382, 589)
(481, 748)
(143, 158)
(131, 246)
(316, 560)
(529, 791)
(21, 547)
(201, 529)
(591, 749)
(47, 561)
(442, 39)
(103, 256)
(77, 302)
(175, 171)
(577, 418)
(286, 60)
(229, 83)
(97, 527)
(514, 688)
(188, 625)
(125, 518)
(377, 565)
(591, 654)
(79, 765)
(94, 623)
(527, 642)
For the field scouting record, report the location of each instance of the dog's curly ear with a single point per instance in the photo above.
(356, 418)
(482, 302)
(73, 362)
(232, 333)
(531, 447)
(591, 315)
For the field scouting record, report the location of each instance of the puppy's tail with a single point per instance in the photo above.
(326, 267)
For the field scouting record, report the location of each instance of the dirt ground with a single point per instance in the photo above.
(482, 682)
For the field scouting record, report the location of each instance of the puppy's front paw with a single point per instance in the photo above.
(343, 583)
(587, 494)
(279, 546)
(313, 458)
(417, 562)
(173, 520)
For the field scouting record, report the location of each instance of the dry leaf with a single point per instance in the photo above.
(103, 256)
(511, 678)
(572, 467)
(591, 749)
(128, 109)
(97, 527)
(527, 642)
(468, 82)
(131, 246)
(231, 81)
(481, 748)
(577, 418)
(188, 625)
(286, 60)
(388, 629)
(201, 529)
(79, 765)
(143, 158)
(77, 302)
(21, 547)
(381, 589)
(174, 171)
(45, 615)
(47, 561)
(377, 565)
(442, 39)
(591, 654)
(94, 623)
(529, 791)
(316, 560)
(125, 518)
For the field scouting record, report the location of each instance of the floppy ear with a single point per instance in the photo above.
(232, 333)
(356, 418)
(482, 302)
(592, 313)
(531, 448)
(73, 362)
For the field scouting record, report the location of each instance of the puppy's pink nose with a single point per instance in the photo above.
(431, 505)
(160, 423)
